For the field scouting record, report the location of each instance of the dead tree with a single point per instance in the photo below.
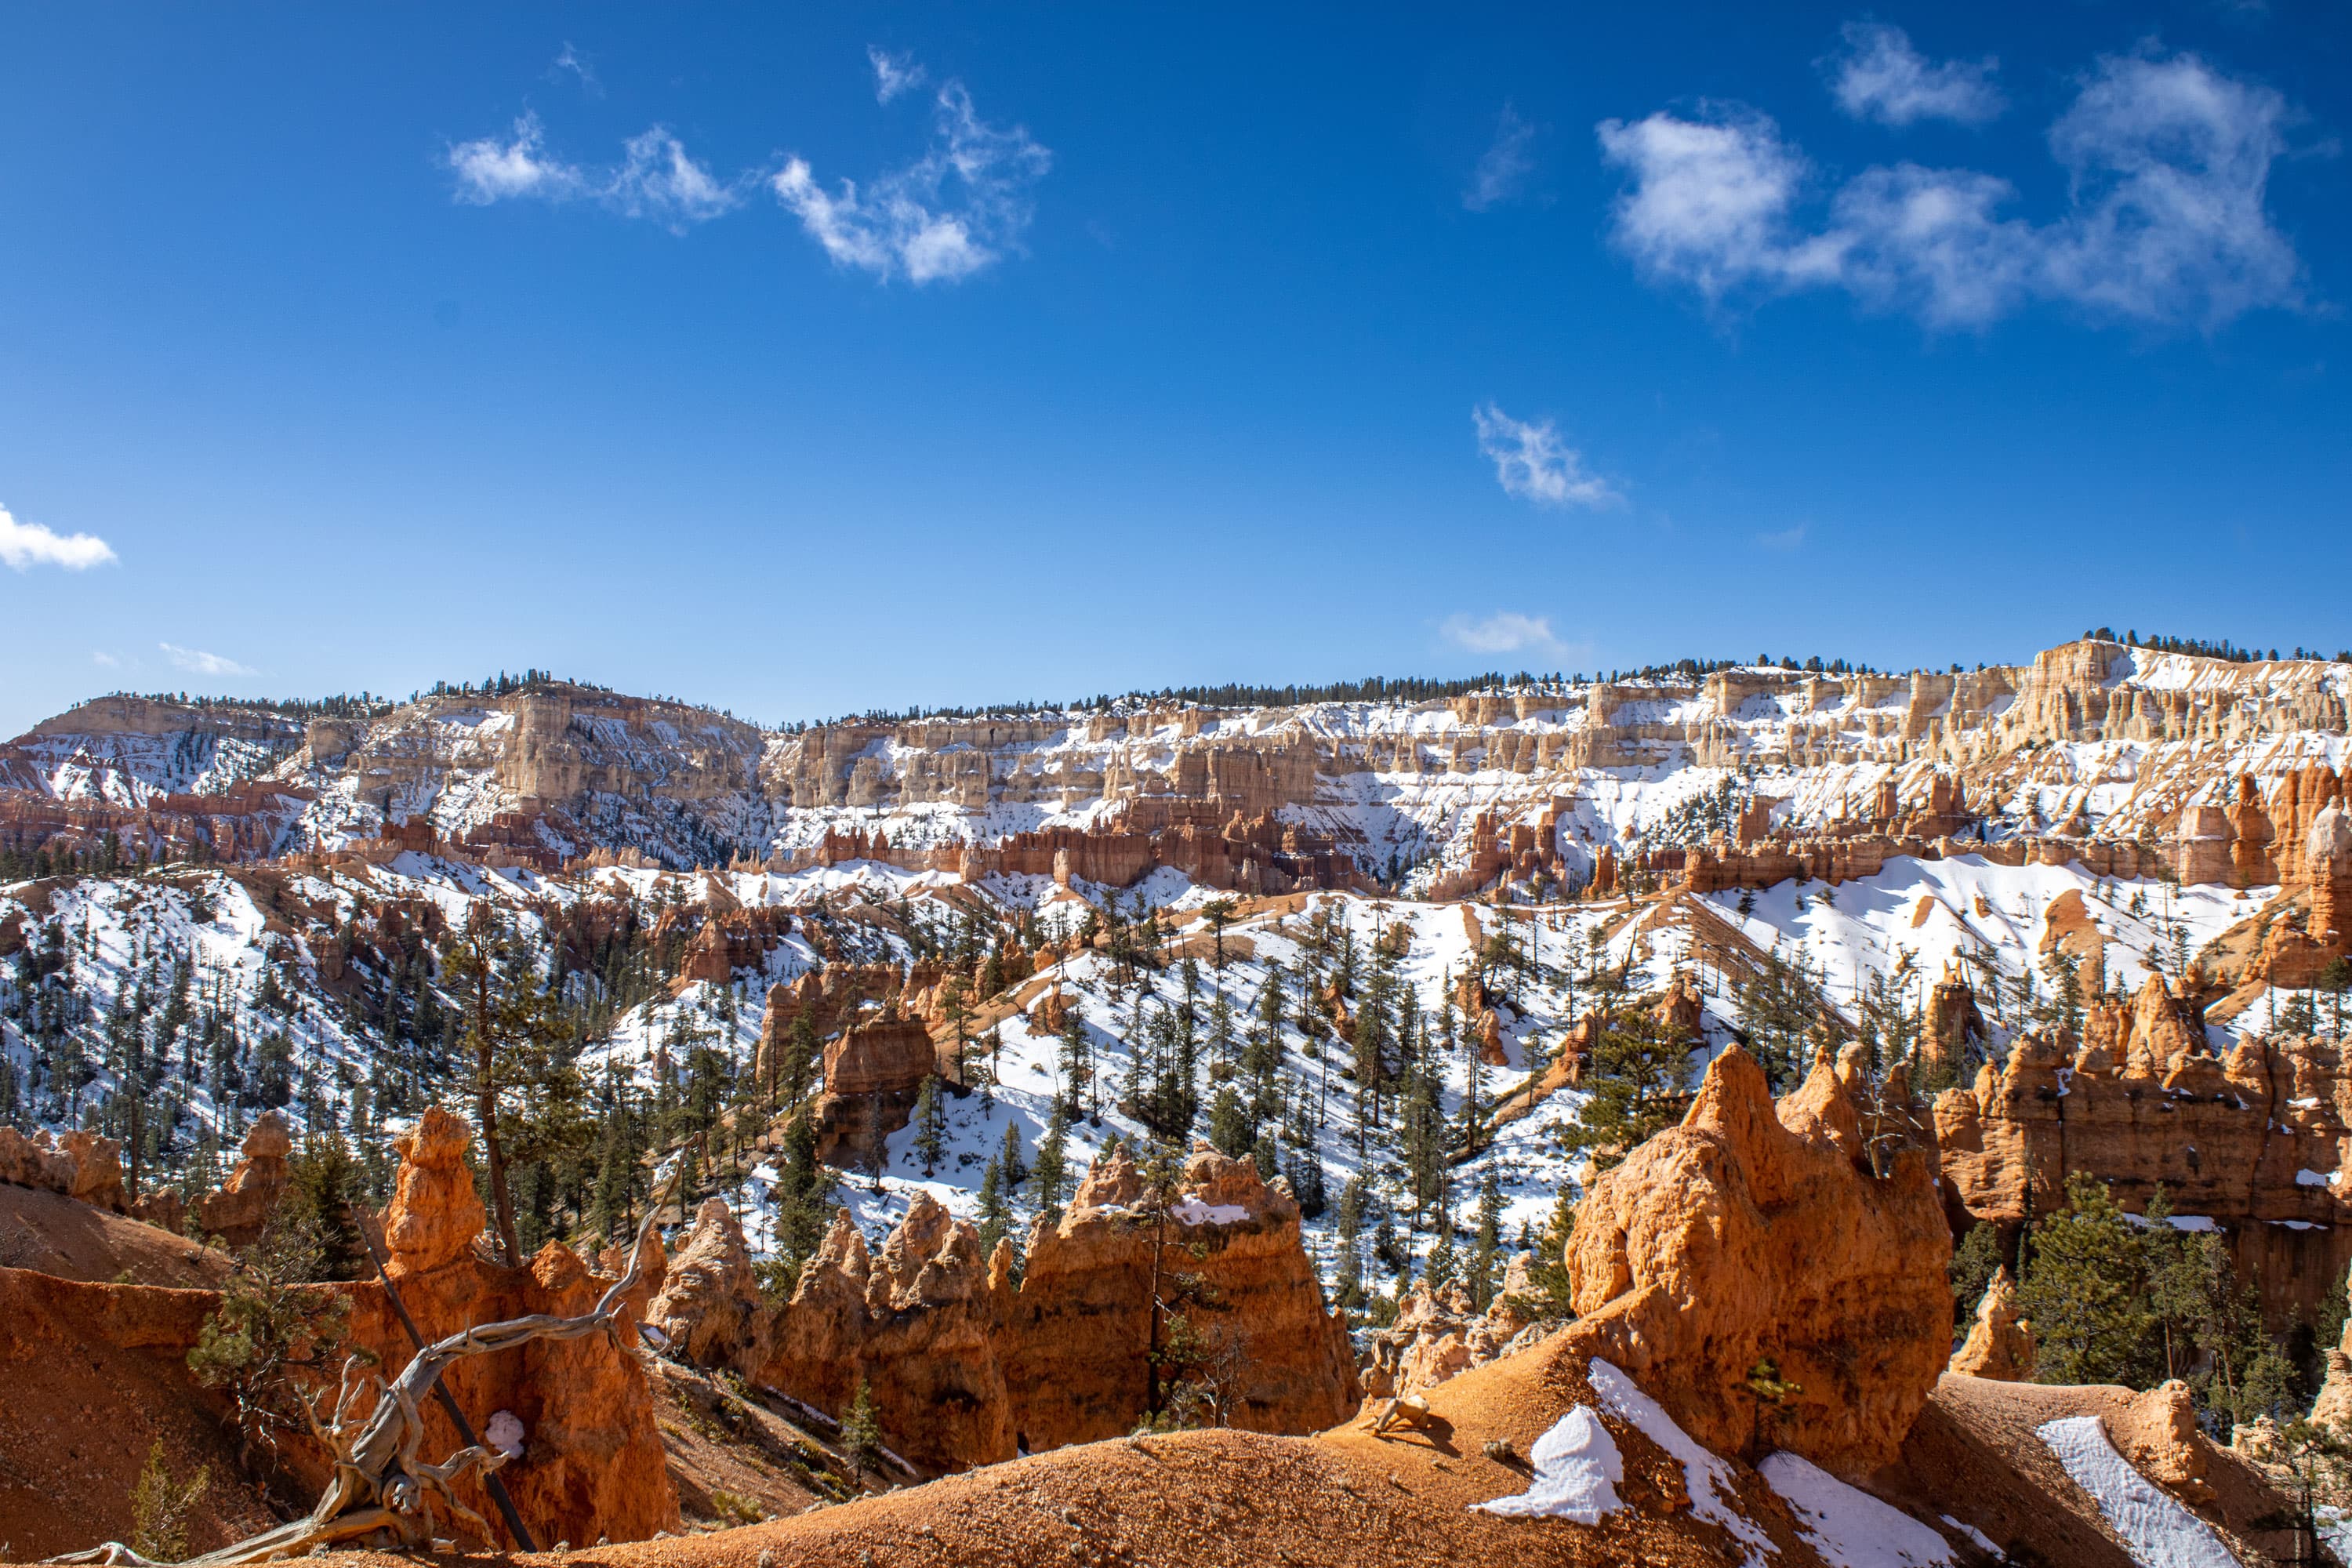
(382, 1494)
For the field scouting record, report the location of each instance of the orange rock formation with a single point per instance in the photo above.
(1745, 1235)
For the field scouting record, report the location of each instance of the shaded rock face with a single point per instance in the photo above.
(1743, 1236)
(918, 1324)
(2251, 1141)
(2000, 1345)
(592, 1463)
(963, 1370)
(1076, 1338)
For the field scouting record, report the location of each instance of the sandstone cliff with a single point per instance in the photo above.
(2252, 1142)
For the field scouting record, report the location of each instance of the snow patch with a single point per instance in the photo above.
(1704, 1476)
(1849, 1528)
(503, 1431)
(2313, 1179)
(1577, 1470)
(1192, 1211)
(1984, 1541)
(2158, 1531)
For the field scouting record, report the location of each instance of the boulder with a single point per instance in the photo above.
(1746, 1236)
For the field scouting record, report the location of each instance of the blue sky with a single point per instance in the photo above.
(358, 347)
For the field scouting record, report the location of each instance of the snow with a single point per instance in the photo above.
(1192, 1211)
(1704, 1476)
(1984, 1542)
(2313, 1179)
(1577, 1470)
(503, 1431)
(2157, 1531)
(1850, 1528)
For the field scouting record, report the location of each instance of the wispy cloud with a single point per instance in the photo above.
(1879, 76)
(959, 208)
(24, 545)
(1505, 167)
(654, 179)
(1534, 464)
(1785, 539)
(1505, 631)
(571, 60)
(893, 74)
(105, 660)
(195, 661)
(2166, 158)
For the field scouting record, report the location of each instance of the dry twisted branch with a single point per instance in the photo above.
(382, 1492)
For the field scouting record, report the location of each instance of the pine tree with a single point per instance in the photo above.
(1348, 1264)
(996, 1215)
(930, 1125)
(1009, 1160)
(1636, 1080)
(1485, 1254)
(323, 1184)
(2085, 1289)
(1229, 1123)
(1050, 1180)
(861, 1434)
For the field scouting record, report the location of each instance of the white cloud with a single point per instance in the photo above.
(957, 209)
(2169, 160)
(654, 179)
(578, 64)
(1881, 77)
(1504, 168)
(1710, 198)
(2167, 163)
(893, 74)
(105, 660)
(1505, 631)
(195, 661)
(28, 544)
(1785, 539)
(1534, 464)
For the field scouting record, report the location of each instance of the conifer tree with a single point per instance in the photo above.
(1229, 1124)
(1485, 1254)
(1637, 1080)
(1051, 1178)
(1009, 1160)
(2084, 1291)
(1347, 1262)
(861, 1433)
(997, 1215)
(930, 1125)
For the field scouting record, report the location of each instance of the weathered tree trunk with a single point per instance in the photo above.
(382, 1493)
